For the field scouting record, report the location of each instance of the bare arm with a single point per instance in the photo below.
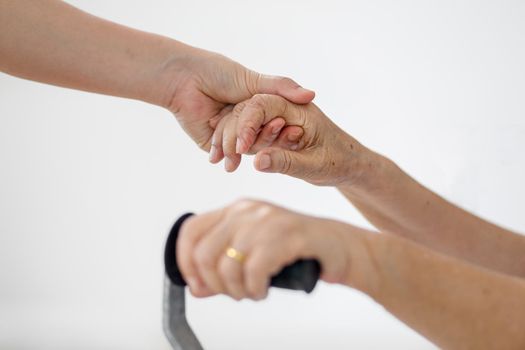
(455, 304)
(396, 203)
(390, 199)
(55, 43)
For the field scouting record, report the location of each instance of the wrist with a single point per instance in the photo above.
(362, 267)
(174, 64)
(370, 173)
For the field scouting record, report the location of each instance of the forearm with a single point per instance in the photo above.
(394, 202)
(52, 42)
(455, 304)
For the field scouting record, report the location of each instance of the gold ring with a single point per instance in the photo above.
(235, 254)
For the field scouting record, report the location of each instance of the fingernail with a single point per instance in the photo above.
(302, 89)
(294, 137)
(228, 164)
(265, 162)
(238, 146)
(277, 129)
(213, 153)
(294, 147)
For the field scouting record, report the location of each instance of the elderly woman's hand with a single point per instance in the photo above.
(305, 143)
(454, 303)
(268, 237)
(274, 133)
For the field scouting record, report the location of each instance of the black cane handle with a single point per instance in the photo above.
(301, 275)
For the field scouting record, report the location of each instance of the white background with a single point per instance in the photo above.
(89, 185)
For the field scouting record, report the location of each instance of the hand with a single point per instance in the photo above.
(207, 84)
(310, 146)
(268, 236)
(274, 133)
(197, 85)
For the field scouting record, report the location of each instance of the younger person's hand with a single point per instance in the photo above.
(205, 85)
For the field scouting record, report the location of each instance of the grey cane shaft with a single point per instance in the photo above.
(176, 327)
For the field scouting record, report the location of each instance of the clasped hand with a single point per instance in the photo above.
(296, 140)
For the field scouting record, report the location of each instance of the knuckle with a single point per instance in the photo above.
(253, 80)
(264, 211)
(239, 107)
(304, 114)
(283, 103)
(286, 166)
(258, 101)
(243, 204)
(228, 152)
(287, 81)
(254, 117)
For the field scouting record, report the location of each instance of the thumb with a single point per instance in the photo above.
(284, 87)
(278, 160)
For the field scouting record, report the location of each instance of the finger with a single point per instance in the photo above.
(260, 110)
(231, 273)
(216, 151)
(214, 121)
(231, 270)
(208, 251)
(192, 230)
(290, 138)
(268, 135)
(285, 87)
(277, 160)
(263, 262)
(229, 137)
